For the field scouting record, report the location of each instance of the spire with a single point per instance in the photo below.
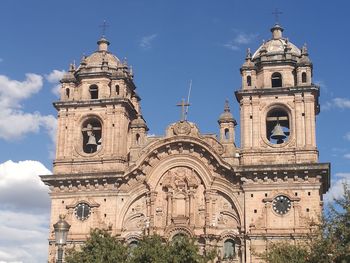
(249, 55)
(227, 106)
(304, 50)
(226, 116)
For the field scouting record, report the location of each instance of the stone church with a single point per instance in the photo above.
(108, 173)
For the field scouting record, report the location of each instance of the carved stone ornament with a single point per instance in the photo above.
(182, 128)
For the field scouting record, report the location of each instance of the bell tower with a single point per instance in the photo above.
(97, 105)
(278, 104)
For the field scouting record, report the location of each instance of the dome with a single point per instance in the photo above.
(69, 76)
(226, 116)
(101, 57)
(276, 46)
(139, 122)
(103, 61)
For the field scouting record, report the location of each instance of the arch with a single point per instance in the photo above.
(67, 93)
(135, 194)
(91, 130)
(133, 237)
(173, 231)
(185, 140)
(277, 125)
(227, 133)
(264, 136)
(138, 139)
(276, 80)
(303, 77)
(229, 249)
(117, 90)
(93, 90)
(158, 171)
(249, 81)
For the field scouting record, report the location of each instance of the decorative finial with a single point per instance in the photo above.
(62, 216)
(276, 13)
(304, 49)
(71, 67)
(104, 28)
(227, 106)
(249, 54)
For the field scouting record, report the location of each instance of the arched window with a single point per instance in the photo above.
(179, 237)
(249, 81)
(92, 135)
(229, 249)
(277, 126)
(117, 90)
(303, 77)
(138, 139)
(227, 134)
(133, 244)
(276, 80)
(93, 89)
(67, 93)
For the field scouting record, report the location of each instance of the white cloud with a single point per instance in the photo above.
(243, 38)
(341, 103)
(337, 190)
(347, 156)
(15, 123)
(13, 91)
(231, 46)
(240, 39)
(146, 41)
(54, 77)
(347, 136)
(24, 212)
(1, 60)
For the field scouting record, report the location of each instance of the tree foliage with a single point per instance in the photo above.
(330, 243)
(102, 247)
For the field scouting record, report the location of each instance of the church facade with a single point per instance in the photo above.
(109, 174)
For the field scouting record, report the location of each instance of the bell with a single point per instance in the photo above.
(92, 140)
(278, 134)
(91, 145)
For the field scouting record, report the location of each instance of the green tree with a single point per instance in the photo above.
(100, 247)
(184, 250)
(151, 249)
(285, 252)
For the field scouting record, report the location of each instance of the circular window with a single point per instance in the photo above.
(277, 126)
(281, 204)
(82, 211)
(92, 135)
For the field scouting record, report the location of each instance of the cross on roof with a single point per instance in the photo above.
(104, 28)
(183, 104)
(277, 13)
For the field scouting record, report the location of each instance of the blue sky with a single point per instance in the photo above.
(168, 43)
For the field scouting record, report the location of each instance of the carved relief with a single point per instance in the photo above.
(135, 217)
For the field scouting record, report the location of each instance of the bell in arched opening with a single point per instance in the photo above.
(278, 134)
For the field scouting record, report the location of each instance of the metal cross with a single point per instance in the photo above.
(277, 13)
(104, 28)
(183, 104)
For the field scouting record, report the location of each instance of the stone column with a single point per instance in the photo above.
(169, 207)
